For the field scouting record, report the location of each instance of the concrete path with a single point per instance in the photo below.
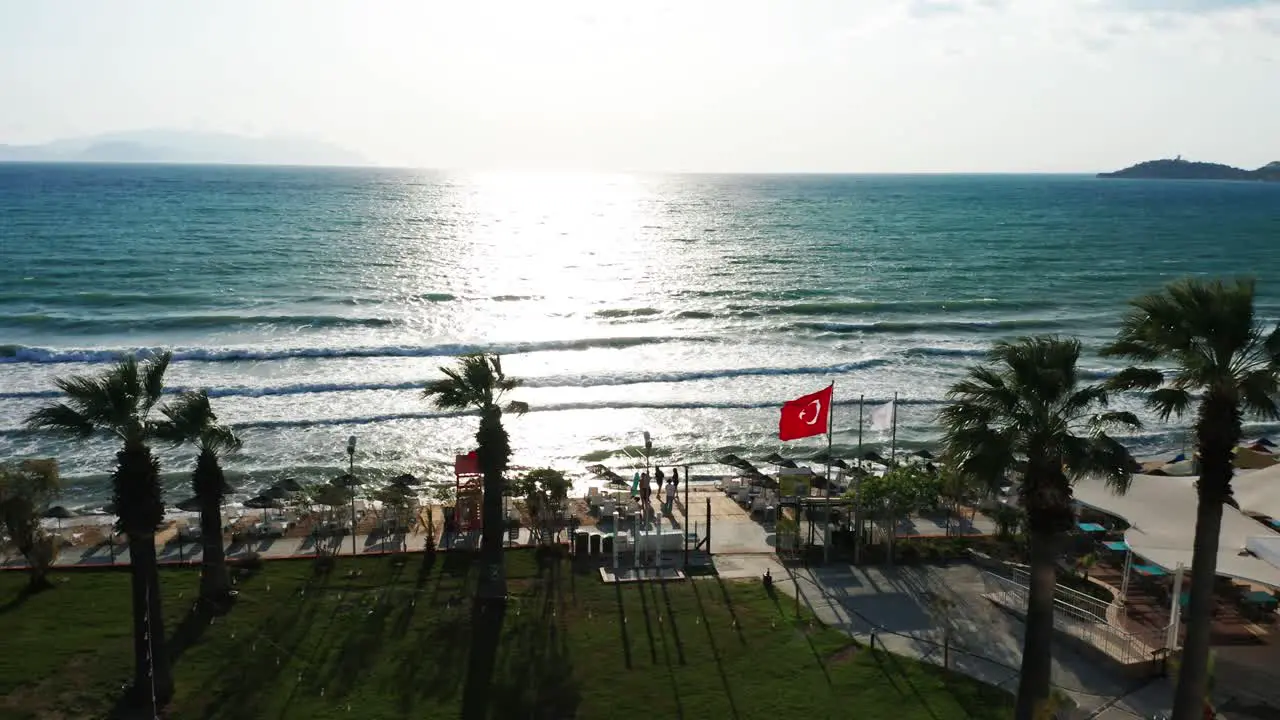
(897, 606)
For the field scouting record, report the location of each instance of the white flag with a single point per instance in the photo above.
(882, 418)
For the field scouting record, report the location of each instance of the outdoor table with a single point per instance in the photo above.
(1260, 598)
(1149, 570)
(1117, 545)
(1091, 527)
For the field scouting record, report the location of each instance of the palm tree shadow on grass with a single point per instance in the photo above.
(532, 671)
(715, 650)
(486, 633)
(251, 669)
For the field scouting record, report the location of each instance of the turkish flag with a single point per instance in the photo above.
(805, 416)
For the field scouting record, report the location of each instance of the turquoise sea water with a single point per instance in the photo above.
(314, 303)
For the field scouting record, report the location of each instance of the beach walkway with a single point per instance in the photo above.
(898, 609)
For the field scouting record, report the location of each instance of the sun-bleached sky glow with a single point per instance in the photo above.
(702, 85)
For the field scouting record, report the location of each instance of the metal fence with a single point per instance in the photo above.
(1086, 607)
(1087, 623)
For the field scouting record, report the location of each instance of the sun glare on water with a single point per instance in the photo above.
(574, 242)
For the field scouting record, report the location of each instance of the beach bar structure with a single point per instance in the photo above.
(468, 485)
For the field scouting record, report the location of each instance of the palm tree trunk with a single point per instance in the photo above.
(493, 452)
(207, 482)
(151, 673)
(493, 581)
(1033, 684)
(214, 583)
(137, 494)
(1193, 677)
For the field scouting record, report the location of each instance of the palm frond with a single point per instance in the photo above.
(61, 418)
(1135, 378)
(1272, 345)
(153, 380)
(220, 440)
(1169, 402)
(474, 382)
(515, 407)
(1258, 392)
(88, 395)
(1082, 400)
(1115, 419)
(185, 418)
(1101, 456)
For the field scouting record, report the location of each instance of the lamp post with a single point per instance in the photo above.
(648, 449)
(351, 470)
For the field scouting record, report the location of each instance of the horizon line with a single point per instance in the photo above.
(549, 170)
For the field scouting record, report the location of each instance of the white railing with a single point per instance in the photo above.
(1082, 604)
(1082, 623)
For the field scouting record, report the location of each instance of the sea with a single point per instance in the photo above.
(314, 303)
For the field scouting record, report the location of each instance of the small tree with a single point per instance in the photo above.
(898, 493)
(26, 488)
(439, 495)
(331, 496)
(546, 496)
(1086, 563)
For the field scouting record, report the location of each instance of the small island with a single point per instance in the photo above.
(1179, 169)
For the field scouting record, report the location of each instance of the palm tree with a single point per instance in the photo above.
(477, 382)
(1027, 410)
(1207, 333)
(118, 403)
(190, 419)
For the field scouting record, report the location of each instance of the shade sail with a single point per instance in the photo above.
(1161, 512)
(1258, 491)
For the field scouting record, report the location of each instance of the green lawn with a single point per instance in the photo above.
(399, 640)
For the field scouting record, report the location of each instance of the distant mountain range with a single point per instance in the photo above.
(179, 146)
(1179, 169)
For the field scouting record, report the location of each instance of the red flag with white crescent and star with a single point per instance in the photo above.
(805, 416)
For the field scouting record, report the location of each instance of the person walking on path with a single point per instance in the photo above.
(675, 478)
(645, 490)
(671, 498)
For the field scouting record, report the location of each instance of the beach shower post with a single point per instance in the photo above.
(351, 470)
(635, 546)
(657, 561)
(648, 449)
(617, 519)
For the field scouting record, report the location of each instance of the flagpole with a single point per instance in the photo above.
(857, 493)
(826, 501)
(893, 436)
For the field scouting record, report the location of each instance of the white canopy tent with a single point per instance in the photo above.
(1161, 512)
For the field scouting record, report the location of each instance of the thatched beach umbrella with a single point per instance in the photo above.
(873, 456)
(289, 485)
(604, 473)
(773, 459)
(59, 513)
(191, 504)
(733, 461)
(406, 480)
(346, 480)
(923, 453)
(263, 503)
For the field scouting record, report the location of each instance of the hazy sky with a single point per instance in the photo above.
(700, 85)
